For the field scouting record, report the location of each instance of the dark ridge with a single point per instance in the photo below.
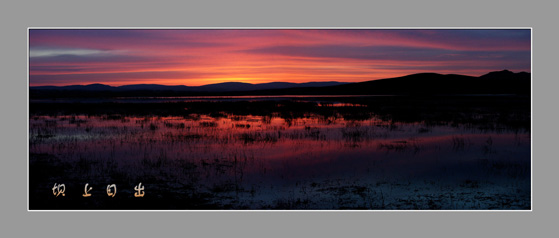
(505, 74)
(218, 87)
(499, 82)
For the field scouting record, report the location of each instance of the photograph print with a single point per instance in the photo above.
(279, 119)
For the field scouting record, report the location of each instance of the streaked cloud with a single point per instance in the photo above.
(197, 57)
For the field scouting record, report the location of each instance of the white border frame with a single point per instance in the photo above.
(307, 28)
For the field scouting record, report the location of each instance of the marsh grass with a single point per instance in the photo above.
(283, 155)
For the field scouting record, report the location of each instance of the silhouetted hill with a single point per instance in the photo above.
(234, 86)
(90, 87)
(219, 87)
(505, 75)
(155, 87)
(502, 82)
(499, 82)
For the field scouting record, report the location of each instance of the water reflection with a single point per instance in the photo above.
(308, 162)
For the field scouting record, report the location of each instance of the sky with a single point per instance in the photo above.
(195, 57)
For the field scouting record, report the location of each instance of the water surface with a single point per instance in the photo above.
(309, 160)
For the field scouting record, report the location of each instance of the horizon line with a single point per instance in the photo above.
(178, 85)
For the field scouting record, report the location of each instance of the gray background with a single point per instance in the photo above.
(16, 16)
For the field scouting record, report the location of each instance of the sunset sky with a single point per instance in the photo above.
(196, 57)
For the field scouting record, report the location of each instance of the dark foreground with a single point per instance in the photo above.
(400, 153)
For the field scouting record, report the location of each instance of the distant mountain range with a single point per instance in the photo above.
(498, 82)
(219, 87)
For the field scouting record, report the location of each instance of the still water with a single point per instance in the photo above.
(314, 161)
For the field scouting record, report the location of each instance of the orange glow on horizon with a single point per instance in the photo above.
(200, 57)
